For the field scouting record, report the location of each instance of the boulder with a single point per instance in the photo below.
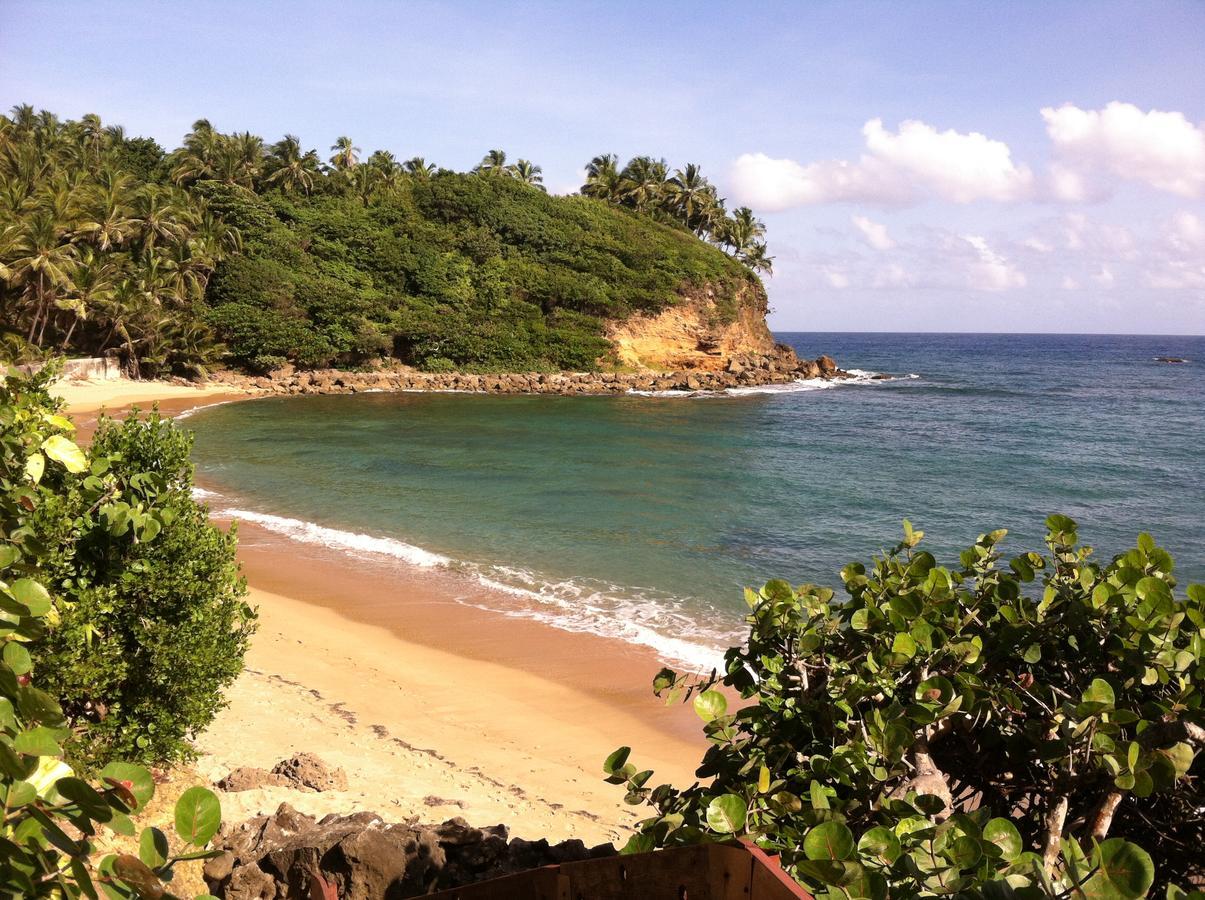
(827, 365)
(248, 778)
(305, 770)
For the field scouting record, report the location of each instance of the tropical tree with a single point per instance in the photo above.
(291, 169)
(603, 180)
(346, 154)
(419, 168)
(493, 163)
(528, 173)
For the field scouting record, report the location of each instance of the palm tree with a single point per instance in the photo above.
(105, 218)
(757, 260)
(290, 168)
(528, 173)
(43, 262)
(419, 168)
(603, 180)
(92, 133)
(345, 154)
(156, 217)
(692, 197)
(493, 163)
(644, 182)
(194, 160)
(742, 231)
(91, 285)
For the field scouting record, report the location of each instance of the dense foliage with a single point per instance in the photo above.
(231, 248)
(981, 730)
(150, 621)
(149, 632)
(51, 816)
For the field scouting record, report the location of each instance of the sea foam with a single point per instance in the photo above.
(635, 616)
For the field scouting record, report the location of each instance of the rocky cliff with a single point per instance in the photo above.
(708, 328)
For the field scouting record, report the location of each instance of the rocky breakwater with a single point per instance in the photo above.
(357, 857)
(778, 367)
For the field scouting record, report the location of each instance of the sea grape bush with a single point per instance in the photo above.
(152, 621)
(51, 816)
(986, 730)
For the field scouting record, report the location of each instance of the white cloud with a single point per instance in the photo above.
(873, 233)
(835, 279)
(1105, 277)
(991, 271)
(1070, 284)
(898, 168)
(1037, 245)
(1162, 149)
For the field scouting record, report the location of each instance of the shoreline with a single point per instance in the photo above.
(434, 706)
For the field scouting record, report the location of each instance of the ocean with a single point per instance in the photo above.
(643, 517)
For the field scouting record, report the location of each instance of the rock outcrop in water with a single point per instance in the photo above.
(360, 856)
(780, 366)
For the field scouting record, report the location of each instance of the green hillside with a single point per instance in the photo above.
(231, 250)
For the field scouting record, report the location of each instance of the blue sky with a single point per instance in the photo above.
(899, 152)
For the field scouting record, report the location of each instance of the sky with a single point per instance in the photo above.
(920, 166)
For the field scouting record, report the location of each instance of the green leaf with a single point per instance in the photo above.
(198, 815)
(1125, 871)
(726, 814)
(1004, 834)
(829, 840)
(616, 760)
(141, 784)
(38, 741)
(35, 466)
(17, 658)
(880, 845)
(153, 848)
(31, 595)
(1100, 691)
(65, 452)
(711, 705)
(904, 645)
(8, 555)
(1180, 756)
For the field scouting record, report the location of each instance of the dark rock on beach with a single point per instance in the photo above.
(288, 854)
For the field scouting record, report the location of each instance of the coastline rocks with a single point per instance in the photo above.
(778, 367)
(288, 854)
(1170, 359)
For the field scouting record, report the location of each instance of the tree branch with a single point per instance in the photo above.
(1056, 815)
(1104, 814)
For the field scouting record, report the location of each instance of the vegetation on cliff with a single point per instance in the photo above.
(230, 248)
(78, 532)
(979, 730)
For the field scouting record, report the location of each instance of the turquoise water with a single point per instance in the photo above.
(644, 516)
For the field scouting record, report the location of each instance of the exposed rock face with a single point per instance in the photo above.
(361, 856)
(705, 329)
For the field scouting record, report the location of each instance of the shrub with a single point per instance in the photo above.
(50, 815)
(980, 730)
(152, 624)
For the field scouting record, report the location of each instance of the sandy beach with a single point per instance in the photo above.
(434, 707)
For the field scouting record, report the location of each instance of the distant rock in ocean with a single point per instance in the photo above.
(1170, 359)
